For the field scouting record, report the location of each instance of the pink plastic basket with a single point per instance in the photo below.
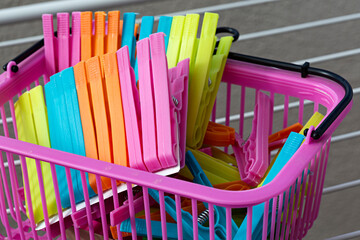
(301, 180)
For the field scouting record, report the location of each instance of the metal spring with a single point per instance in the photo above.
(203, 217)
(134, 190)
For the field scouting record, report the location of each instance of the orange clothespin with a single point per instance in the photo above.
(219, 135)
(278, 139)
(233, 186)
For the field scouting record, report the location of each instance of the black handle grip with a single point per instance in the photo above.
(304, 70)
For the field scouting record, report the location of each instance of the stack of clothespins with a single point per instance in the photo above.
(144, 101)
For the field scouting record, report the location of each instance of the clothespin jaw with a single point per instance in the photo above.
(252, 155)
(219, 135)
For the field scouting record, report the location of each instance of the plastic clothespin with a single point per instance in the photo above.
(200, 73)
(75, 38)
(127, 37)
(49, 45)
(99, 38)
(233, 186)
(291, 146)
(32, 126)
(96, 84)
(116, 115)
(284, 133)
(165, 129)
(85, 108)
(72, 106)
(86, 35)
(219, 135)
(216, 170)
(189, 41)
(63, 41)
(113, 31)
(130, 100)
(60, 136)
(219, 212)
(165, 27)
(210, 90)
(219, 154)
(147, 106)
(174, 45)
(277, 140)
(178, 83)
(146, 29)
(252, 155)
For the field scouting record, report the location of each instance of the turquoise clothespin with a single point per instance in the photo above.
(165, 27)
(127, 37)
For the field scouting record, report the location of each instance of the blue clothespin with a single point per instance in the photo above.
(165, 27)
(146, 27)
(127, 37)
(73, 113)
(170, 207)
(290, 147)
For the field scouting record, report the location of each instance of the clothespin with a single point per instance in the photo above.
(147, 107)
(178, 84)
(216, 170)
(219, 135)
(187, 222)
(97, 92)
(32, 127)
(189, 41)
(165, 128)
(233, 186)
(219, 154)
(252, 155)
(63, 41)
(131, 107)
(60, 136)
(165, 27)
(174, 45)
(146, 28)
(112, 31)
(49, 45)
(291, 146)
(115, 106)
(277, 140)
(127, 37)
(75, 38)
(86, 35)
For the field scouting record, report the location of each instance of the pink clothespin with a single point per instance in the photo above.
(63, 41)
(49, 48)
(179, 77)
(164, 131)
(75, 38)
(252, 155)
(131, 108)
(147, 106)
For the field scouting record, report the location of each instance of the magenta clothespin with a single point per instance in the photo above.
(131, 108)
(147, 106)
(48, 32)
(252, 155)
(75, 38)
(63, 40)
(179, 77)
(164, 131)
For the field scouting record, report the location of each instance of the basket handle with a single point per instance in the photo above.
(305, 70)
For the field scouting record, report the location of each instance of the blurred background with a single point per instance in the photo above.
(322, 32)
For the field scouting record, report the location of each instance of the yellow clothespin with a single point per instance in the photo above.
(176, 32)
